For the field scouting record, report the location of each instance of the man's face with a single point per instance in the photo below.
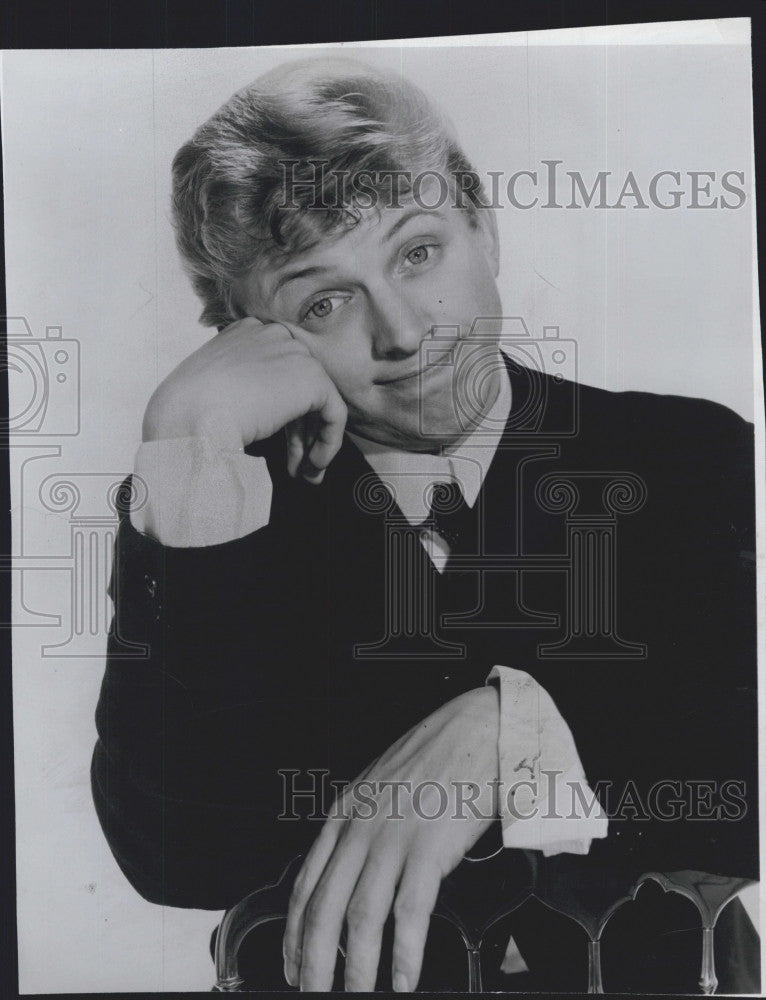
(365, 304)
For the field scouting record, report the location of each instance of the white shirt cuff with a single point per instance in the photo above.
(199, 495)
(545, 801)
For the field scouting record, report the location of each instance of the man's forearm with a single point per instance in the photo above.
(198, 494)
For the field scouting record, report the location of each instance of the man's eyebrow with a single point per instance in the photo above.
(311, 270)
(291, 275)
(404, 219)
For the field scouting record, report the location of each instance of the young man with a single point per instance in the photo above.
(344, 486)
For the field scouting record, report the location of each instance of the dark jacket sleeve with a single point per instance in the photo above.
(192, 733)
(236, 684)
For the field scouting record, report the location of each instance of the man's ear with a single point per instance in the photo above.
(486, 222)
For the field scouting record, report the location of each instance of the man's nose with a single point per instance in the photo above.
(397, 328)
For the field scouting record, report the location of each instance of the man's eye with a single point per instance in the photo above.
(419, 255)
(321, 308)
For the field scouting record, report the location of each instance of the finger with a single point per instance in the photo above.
(325, 913)
(312, 424)
(366, 915)
(333, 413)
(303, 888)
(295, 450)
(315, 438)
(414, 904)
(249, 323)
(327, 434)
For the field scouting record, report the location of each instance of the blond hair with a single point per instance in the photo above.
(229, 202)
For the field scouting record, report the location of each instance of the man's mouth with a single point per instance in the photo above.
(425, 371)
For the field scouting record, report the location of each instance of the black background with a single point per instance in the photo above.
(87, 24)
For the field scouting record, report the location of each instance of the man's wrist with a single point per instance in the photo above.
(165, 419)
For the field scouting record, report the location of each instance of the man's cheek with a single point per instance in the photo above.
(363, 400)
(342, 365)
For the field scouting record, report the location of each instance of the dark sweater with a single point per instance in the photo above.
(251, 664)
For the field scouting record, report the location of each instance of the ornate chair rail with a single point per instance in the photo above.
(591, 906)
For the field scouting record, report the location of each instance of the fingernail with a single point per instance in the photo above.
(400, 983)
(313, 476)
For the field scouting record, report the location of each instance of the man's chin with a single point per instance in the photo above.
(431, 438)
(437, 429)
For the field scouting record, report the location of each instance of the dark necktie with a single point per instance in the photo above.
(452, 518)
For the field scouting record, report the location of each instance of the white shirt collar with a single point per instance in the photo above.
(410, 474)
